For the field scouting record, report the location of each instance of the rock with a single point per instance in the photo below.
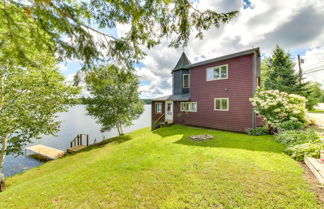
(202, 137)
(2, 182)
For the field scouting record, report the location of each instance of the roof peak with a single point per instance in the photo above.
(183, 62)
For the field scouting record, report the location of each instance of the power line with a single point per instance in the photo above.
(315, 68)
(313, 71)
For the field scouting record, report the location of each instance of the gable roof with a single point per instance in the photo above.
(175, 97)
(182, 63)
(229, 56)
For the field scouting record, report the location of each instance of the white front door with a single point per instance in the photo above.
(169, 111)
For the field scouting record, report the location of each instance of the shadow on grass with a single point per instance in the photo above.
(222, 139)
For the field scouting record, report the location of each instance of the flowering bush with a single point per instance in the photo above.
(277, 107)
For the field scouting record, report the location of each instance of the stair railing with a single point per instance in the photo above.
(78, 140)
(155, 123)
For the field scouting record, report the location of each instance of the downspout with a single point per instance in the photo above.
(254, 66)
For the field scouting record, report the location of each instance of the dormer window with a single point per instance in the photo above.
(217, 73)
(186, 81)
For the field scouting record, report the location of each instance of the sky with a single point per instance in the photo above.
(297, 26)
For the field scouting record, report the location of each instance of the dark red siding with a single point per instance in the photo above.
(238, 88)
(155, 115)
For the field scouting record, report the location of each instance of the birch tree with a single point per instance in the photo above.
(114, 97)
(32, 91)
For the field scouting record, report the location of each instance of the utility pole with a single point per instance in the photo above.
(300, 69)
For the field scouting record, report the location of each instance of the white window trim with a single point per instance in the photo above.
(156, 103)
(221, 104)
(218, 66)
(188, 81)
(188, 110)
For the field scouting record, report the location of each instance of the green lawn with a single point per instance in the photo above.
(317, 111)
(164, 169)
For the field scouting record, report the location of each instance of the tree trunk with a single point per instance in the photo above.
(3, 150)
(117, 126)
(2, 183)
(121, 128)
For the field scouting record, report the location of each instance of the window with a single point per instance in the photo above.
(217, 73)
(158, 107)
(169, 107)
(186, 80)
(221, 104)
(188, 106)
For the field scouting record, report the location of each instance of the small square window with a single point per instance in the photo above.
(217, 73)
(221, 104)
(188, 106)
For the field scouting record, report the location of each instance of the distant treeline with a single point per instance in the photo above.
(147, 101)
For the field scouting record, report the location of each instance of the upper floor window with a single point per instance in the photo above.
(221, 104)
(186, 81)
(217, 73)
(158, 107)
(188, 106)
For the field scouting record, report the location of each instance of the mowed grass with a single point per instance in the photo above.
(317, 111)
(165, 169)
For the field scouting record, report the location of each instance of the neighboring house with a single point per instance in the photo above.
(214, 93)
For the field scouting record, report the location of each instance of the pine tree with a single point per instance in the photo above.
(278, 73)
(78, 29)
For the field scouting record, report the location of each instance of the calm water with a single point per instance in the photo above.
(75, 121)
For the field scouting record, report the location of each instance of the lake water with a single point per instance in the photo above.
(75, 121)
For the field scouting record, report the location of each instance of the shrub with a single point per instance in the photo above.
(277, 107)
(300, 151)
(291, 125)
(258, 131)
(293, 137)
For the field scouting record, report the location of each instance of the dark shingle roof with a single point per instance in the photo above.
(229, 56)
(182, 63)
(176, 97)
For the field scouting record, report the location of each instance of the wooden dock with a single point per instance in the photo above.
(75, 148)
(46, 151)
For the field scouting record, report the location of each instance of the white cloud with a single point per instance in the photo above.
(292, 25)
(313, 61)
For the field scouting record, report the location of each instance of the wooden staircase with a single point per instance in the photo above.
(77, 143)
(157, 123)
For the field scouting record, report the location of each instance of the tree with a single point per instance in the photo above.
(278, 73)
(114, 99)
(30, 97)
(72, 26)
(315, 96)
(32, 90)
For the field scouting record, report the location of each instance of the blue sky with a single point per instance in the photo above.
(297, 27)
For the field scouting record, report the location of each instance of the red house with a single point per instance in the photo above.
(214, 93)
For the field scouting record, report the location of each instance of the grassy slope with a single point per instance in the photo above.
(164, 169)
